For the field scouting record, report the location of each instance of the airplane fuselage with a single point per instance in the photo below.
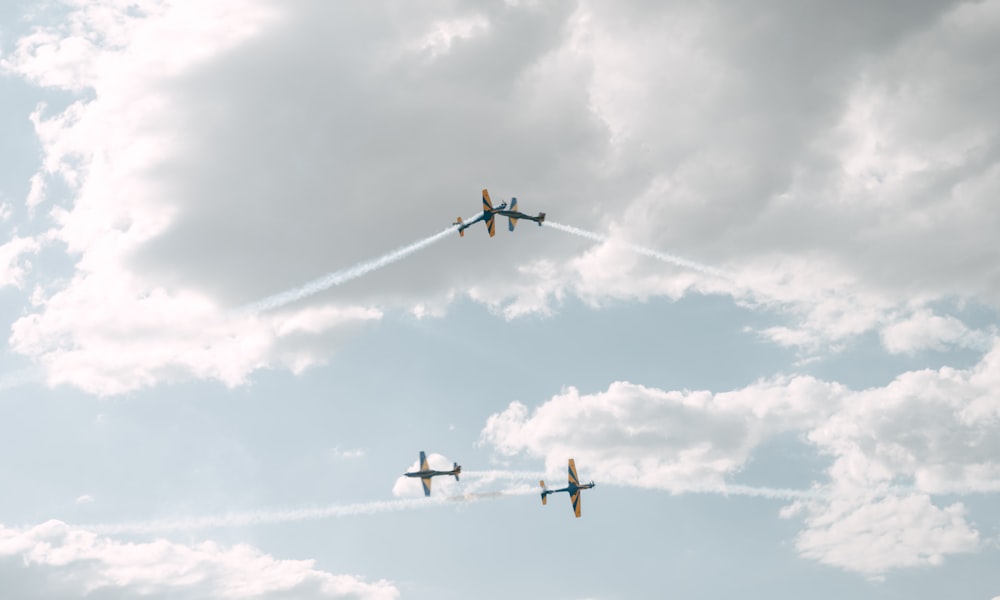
(571, 488)
(429, 473)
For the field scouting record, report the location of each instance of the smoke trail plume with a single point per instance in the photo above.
(510, 475)
(735, 489)
(277, 516)
(661, 256)
(344, 275)
(262, 517)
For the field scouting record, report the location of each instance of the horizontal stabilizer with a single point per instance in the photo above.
(541, 218)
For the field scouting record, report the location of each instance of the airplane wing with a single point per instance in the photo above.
(427, 485)
(575, 497)
(512, 219)
(490, 225)
(423, 462)
(573, 479)
(487, 205)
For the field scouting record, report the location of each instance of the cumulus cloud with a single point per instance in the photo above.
(875, 535)
(182, 211)
(56, 560)
(109, 334)
(13, 265)
(893, 449)
(634, 435)
(835, 237)
(842, 183)
(926, 330)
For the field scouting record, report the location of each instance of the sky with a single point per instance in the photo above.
(761, 314)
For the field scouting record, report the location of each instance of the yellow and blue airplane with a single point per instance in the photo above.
(425, 473)
(489, 213)
(573, 489)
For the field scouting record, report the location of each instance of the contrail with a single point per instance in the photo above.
(344, 275)
(661, 256)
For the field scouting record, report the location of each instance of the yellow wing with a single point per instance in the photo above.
(573, 479)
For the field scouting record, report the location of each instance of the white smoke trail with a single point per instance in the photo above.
(661, 256)
(730, 489)
(509, 475)
(277, 516)
(262, 517)
(344, 275)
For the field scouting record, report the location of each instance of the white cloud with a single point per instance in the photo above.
(634, 435)
(349, 454)
(444, 33)
(928, 433)
(139, 310)
(202, 165)
(85, 499)
(925, 330)
(111, 329)
(874, 535)
(56, 560)
(108, 333)
(809, 234)
(36, 194)
(13, 267)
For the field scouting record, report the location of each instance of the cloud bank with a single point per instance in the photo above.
(55, 560)
(894, 450)
(847, 184)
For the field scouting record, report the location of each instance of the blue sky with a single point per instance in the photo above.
(773, 343)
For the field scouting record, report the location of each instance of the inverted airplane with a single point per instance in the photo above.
(489, 213)
(425, 473)
(573, 489)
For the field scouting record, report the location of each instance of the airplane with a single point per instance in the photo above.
(489, 213)
(573, 489)
(425, 473)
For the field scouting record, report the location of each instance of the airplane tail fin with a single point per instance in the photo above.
(461, 231)
(512, 221)
(541, 218)
(545, 492)
(458, 469)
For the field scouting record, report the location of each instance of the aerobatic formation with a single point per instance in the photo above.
(573, 486)
(489, 215)
(425, 473)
